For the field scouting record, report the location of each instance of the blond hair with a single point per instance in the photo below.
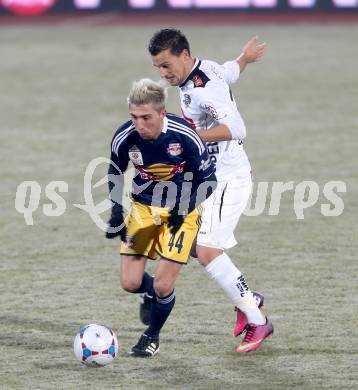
(147, 91)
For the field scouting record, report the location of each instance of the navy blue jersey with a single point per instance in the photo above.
(177, 151)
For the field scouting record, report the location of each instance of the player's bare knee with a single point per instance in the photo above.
(204, 261)
(129, 284)
(162, 287)
(206, 255)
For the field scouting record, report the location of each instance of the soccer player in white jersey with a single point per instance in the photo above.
(208, 104)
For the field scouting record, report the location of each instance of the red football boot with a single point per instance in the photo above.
(241, 320)
(254, 337)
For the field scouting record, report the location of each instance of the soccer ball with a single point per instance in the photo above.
(95, 345)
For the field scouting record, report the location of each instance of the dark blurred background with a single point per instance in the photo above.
(36, 7)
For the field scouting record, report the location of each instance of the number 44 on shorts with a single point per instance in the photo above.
(178, 243)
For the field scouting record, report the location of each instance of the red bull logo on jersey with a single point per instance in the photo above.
(175, 149)
(144, 174)
(160, 172)
(179, 168)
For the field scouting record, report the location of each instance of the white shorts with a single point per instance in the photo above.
(222, 211)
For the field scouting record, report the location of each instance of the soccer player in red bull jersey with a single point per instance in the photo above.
(208, 104)
(174, 175)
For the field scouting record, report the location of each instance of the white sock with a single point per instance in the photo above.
(232, 281)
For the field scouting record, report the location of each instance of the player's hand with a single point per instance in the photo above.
(253, 52)
(116, 227)
(175, 221)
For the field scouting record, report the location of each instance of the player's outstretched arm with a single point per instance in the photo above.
(217, 133)
(116, 226)
(251, 52)
(198, 196)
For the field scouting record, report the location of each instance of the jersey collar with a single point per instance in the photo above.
(192, 72)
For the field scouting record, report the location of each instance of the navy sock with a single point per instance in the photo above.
(146, 286)
(159, 313)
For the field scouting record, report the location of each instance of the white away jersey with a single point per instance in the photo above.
(207, 101)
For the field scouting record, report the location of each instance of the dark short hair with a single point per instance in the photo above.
(168, 38)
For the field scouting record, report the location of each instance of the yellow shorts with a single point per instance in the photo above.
(148, 234)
